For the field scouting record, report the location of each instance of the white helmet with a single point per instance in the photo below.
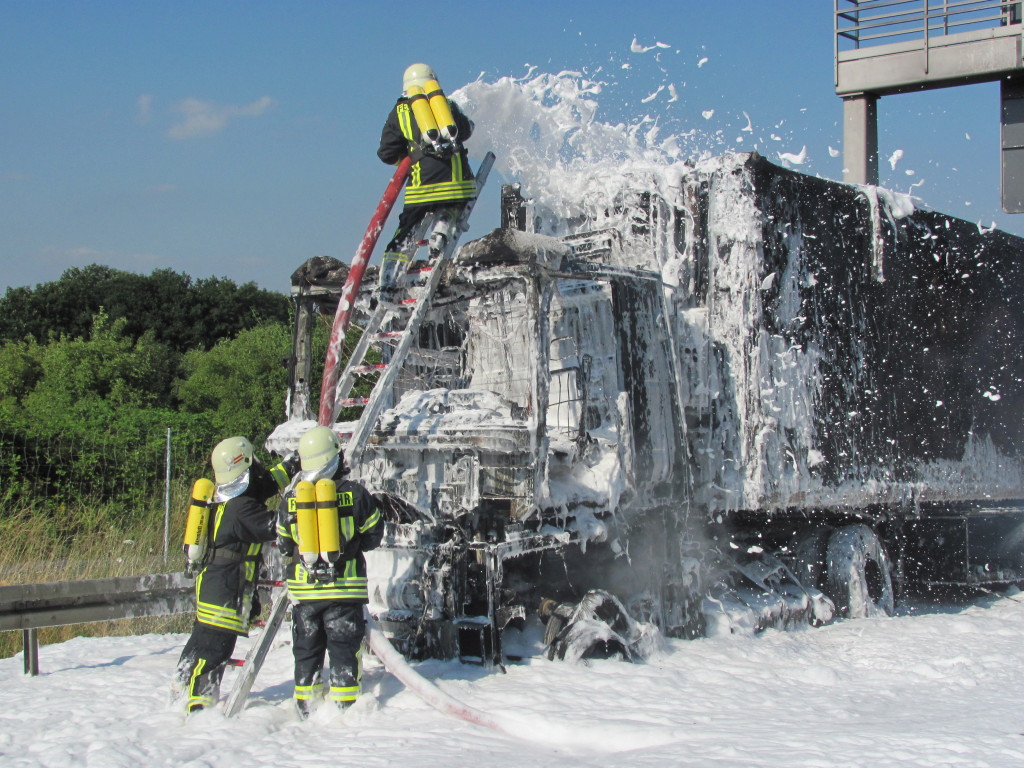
(231, 459)
(417, 74)
(318, 449)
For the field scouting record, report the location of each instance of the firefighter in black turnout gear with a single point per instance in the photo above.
(425, 125)
(226, 601)
(327, 572)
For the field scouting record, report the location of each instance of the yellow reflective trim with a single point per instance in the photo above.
(235, 625)
(303, 591)
(395, 256)
(371, 521)
(437, 193)
(348, 527)
(219, 517)
(198, 699)
(344, 692)
(280, 476)
(307, 692)
(404, 113)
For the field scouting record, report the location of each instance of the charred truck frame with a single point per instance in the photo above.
(733, 396)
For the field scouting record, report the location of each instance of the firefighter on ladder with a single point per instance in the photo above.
(425, 125)
(230, 558)
(327, 579)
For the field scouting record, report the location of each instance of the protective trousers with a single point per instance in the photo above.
(405, 242)
(337, 628)
(201, 665)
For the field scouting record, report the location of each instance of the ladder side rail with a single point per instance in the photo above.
(377, 318)
(357, 357)
(257, 654)
(372, 409)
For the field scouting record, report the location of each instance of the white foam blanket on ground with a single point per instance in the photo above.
(925, 688)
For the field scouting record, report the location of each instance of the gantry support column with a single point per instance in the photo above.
(860, 139)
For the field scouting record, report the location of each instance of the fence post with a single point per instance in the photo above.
(30, 642)
(167, 493)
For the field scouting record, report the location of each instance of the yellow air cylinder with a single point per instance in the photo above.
(442, 110)
(327, 521)
(305, 518)
(198, 519)
(422, 112)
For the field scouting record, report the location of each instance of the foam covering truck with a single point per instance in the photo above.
(727, 397)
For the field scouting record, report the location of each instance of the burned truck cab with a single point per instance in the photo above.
(531, 425)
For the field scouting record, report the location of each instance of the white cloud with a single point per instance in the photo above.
(206, 118)
(145, 108)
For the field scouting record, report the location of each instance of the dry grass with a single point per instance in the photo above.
(34, 549)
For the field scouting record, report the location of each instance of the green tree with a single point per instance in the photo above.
(240, 383)
(181, 313)
(86, 415)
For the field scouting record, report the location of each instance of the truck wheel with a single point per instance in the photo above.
(810, 557)
(857, 576)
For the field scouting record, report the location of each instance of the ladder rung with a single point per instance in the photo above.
(388, 334)
(353, 401)
(369, 368)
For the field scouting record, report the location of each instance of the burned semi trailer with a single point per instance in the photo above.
(722, 397)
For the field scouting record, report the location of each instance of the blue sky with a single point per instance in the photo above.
(236, 139)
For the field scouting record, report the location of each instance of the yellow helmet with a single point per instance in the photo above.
(231, 458)
(417, 74)
(317, 449)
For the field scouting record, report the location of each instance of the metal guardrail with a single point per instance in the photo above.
(861, 23)
(30, 606)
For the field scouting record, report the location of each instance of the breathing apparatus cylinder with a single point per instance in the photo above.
(327, 523)
(305, 518)
(441, 110)
(423, 114)
(198, 522)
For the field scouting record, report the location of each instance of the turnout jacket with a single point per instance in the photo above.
(432, 179)
(225, 587)
(361, 530)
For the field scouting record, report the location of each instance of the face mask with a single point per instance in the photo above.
(235, 488)
(327, 470)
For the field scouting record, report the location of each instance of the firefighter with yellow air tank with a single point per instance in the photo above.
(324, 526)
(427, 126)
(228, 524)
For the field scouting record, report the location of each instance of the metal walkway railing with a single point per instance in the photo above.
(862, 23)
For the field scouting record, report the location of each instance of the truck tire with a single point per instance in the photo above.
(810, 557)
(857, 575)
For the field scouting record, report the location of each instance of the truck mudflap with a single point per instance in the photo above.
(956, 546)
